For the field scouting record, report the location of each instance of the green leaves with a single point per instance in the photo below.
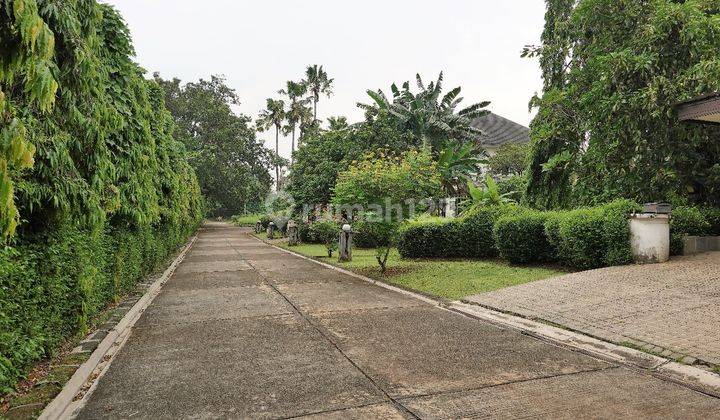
(606, 125)
(429, 118)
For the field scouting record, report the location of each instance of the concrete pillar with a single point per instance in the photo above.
(650, 237)
(345, 248)
(271, 230)
(292, 233)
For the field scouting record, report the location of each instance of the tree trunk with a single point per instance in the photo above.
(277, 158)
(292, 148)
(315, 109)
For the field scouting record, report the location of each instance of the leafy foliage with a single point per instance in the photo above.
(326, 153)
(317, 82)
(489, 195)
(510, 159)
(521, 238)
(326, 232)
(470, 236)
(88, 169)
(457, 163)
(431, 118)
(384, 180)
(606, 127)
(231, 163)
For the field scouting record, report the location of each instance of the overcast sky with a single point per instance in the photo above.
(363, 44)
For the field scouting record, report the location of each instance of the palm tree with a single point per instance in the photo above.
(295, 92)
(273, 116)
(429, 117)
(317, 82)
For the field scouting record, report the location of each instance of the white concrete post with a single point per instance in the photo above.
(650, 237)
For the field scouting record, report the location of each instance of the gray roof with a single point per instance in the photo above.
(498, 130)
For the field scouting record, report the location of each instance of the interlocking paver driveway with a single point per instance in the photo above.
(287, 338)
(674, 305)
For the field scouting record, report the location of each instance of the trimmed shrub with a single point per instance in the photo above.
(51, 287)
(470, 236)
(325, 232)
(686, 221)
(477, 226)
(521, 238)
(428, 238)
(372, 234)
(592, 237)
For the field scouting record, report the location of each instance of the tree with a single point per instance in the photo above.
(317, 82)
(273, 116)
(325, 153)
(606, 126)
(391, 187)
(297, 109)
(231, 163)
(431, 118)
(510, 159)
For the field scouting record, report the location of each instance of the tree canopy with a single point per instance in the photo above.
(606, 126)
(325, 153)
(85, 138)
(231, 163)
(432, 118)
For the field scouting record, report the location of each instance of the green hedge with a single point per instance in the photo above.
(584, 238)
(370, 234)
(51, 287)
(470, 236)
(521, 238)
(592, 237)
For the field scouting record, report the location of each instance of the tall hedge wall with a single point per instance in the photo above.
(94, 190)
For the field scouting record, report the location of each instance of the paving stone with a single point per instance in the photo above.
(671, 305)
(219, 341)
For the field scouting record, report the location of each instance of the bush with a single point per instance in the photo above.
(686, 221)
(370, 234)
(712, 216)
(592, 237)
(52, 286)
(325, 232)
(521, 238)
(470, 236)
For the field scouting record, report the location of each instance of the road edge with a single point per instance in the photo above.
(65, 404)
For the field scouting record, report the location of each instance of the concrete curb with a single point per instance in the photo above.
(688, 376)
(66, 403)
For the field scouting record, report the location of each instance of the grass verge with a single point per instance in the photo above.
(449, 279)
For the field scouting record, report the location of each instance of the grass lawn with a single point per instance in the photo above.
(450, 279)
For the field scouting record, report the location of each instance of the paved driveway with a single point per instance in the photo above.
(671, 308)
(245, 330)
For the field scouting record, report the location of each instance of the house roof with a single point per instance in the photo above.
(704, 108)
(498, 130)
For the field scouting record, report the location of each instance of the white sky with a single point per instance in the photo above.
(363, 44)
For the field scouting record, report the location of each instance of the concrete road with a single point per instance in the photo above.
(245, 330)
